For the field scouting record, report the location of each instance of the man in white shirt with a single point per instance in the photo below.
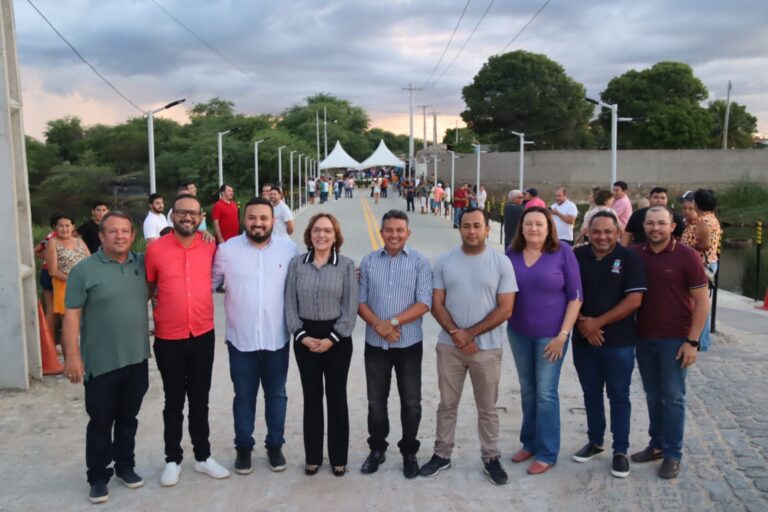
(155, 221)
(283, 225)
(252, 267)
(564, 213)
(311, 190)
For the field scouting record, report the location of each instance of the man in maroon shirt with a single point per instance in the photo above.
(226, 217)
(460, 203)
(669, 323)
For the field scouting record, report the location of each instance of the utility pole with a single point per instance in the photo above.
(325, 129)
(424, 112)
(434, 140)
(410, 90)
(727, 116)
(317, 131)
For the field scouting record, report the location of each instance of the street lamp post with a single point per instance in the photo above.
(299, 158)
(280, 167)
(325, 130)
(290, 193)
(523, 142)
(477, 152)
(305, 173)
(614, 108)
(221, 153)
(151, 141)
(256, 162)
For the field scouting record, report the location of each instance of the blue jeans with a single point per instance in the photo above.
(539, 379)
(609, 367)
(704, 339)
(247, 370)
(664, 384)
(457, 212)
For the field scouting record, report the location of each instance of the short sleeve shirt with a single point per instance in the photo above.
(228, 217)
(667, 310)
(460, 198)
(89, 231)
(471, 284)
(115, 323)
(184, 286)
(282, 215)
(635, 225)
(154, 224)
(565, 230)
(606, 282)
(623, 208)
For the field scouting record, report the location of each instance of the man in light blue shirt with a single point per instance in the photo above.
(395, 292)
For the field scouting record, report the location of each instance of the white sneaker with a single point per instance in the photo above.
(211, 468)
(170, 476)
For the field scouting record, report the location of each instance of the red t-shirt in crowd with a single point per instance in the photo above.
(667, 308)
(184, 286)
(536, 201)
(460, 198)
(228, 217)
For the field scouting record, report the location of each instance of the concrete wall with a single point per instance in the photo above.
(579, 170)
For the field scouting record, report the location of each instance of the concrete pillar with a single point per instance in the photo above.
(20, 342)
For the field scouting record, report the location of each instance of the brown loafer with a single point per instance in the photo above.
(521, 456)
(649, 454)
(537, 468)
(669, 468)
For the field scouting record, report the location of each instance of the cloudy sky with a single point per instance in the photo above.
(276, 53)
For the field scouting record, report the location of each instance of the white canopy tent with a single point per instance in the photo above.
(338, 159)
(382, 157)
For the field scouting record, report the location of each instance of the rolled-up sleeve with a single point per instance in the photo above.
(349, 302)
(424, 283)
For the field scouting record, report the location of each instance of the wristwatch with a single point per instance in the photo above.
(693, 343)
(394, 321)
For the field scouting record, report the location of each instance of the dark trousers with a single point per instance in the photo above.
(326, 372)
(186, 367)
(409, 206)
(247, 370)
(112, 401)
(610, 368)
(378, 375)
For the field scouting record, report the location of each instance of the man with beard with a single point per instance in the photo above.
(155, 221)
(178, 267)
(474, 291)
(253, 267)
(283, 225)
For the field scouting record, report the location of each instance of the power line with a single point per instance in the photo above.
(485, 13)
(206, 43)
(525, 26)
(80, 56)
(440, 61)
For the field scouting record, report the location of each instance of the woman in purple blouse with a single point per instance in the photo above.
(546, 309)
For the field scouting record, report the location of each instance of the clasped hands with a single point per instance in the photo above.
(317, 345)
(591, 329)
(387, 331)
(464, 340)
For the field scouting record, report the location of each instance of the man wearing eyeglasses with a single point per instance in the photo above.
(179, 269)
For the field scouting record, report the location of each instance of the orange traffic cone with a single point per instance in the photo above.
(51, 363)
(765, 302)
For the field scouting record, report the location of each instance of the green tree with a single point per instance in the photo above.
(215, 107)
(741, 125)
(460, 140)
(525, 92)
(41, 158)
(66, 133)
(666, 101)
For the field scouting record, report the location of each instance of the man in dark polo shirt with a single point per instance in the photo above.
(669, 323)
(613, 278)
(634, 232)
(89, 230)
(106, 305)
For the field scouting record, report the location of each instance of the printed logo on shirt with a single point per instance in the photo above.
(616, 267)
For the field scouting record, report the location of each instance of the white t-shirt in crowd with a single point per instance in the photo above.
(482, 197)
(282, 215)
(154, 224)
(565, 230)
(311, 186)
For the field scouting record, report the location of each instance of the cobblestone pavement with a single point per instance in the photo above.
(724, 467)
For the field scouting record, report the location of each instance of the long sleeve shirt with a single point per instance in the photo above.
(326, 293)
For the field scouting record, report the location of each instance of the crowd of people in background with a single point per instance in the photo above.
(629, 286)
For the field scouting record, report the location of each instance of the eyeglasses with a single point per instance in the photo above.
(184, 213)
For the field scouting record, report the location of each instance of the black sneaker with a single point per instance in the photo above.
(495, 472)
(243, 462)
(129, 478)
(410, 466)
(99, 492)
(587, 452)
(620, 465)
(276, 459)
(435, 465)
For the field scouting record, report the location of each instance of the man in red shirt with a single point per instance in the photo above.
(669, 323)
(179, 270)
(226, 217)
(460, 202)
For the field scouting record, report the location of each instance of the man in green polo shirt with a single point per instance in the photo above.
(106, 306)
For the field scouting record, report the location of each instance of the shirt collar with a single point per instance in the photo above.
(405, 250)
(669, 248)
(333, 260)
(197, 240)
(106, 259)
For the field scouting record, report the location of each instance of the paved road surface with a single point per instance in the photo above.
(724, 468)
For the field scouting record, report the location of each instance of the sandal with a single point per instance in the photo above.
(339, 470)
(311, 469)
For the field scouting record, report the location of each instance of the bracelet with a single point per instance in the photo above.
(566, 333)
